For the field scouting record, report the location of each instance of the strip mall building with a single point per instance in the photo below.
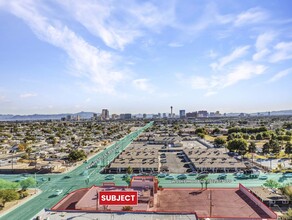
(236, 203)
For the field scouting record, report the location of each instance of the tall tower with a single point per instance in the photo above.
(171, 111)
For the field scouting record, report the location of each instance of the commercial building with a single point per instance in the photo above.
(182, 113)
(104, 114)
(203, 113)
(191, 114)
(115, 116)
(235, 203)
(94, 116)
(126, 116)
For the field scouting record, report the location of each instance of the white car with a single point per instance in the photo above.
(58, 192)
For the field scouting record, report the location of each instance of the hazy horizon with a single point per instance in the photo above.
(143, 57)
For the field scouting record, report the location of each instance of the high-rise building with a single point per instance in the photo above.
(144, 115)
(192, 115)
(105, 114)
(164, 115)
(203, 113)
(68, 117)
(115, 116)
(125, 116)
(182, 113)
(94, 116)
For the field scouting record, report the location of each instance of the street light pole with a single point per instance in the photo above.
(35, 183)
(12, 161)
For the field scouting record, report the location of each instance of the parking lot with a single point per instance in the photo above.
(174, 163)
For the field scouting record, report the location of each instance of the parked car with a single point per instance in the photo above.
(182, 177)
(109, 177)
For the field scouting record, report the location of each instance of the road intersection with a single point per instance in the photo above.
(82, 176)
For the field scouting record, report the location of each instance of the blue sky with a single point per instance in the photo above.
(144, 56)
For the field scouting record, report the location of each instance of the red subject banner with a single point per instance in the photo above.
(118, 198)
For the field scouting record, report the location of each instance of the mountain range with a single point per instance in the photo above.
(88, 115)
(9, 117)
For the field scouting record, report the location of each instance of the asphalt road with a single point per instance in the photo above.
(68, 182)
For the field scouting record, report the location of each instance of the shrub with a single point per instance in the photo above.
(127, 208)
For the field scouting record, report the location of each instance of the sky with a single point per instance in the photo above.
(63, 56)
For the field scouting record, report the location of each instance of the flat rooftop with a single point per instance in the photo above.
(231, 203)
(113, 216)
(205, 203)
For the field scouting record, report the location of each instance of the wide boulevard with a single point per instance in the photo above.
(85, 175)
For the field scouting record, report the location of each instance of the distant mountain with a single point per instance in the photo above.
(88, 115)
(83, 115)
(5, 117)
(271, 113)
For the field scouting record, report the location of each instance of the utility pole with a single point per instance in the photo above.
(12, 161)
(210, 203)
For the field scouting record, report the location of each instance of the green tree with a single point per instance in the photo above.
(259, 136)
(29, 182)
(237, 145)
(77, 155)
(25, 156)
(288, 148)
(230, 137)
(129, 170)
(201, 135)
(245, 136)
(200, 131)
(28, 150)
(219, 142)
(216, 131)
(251, 147)
(272, 184)
(288, 215)
(8, 195)
(266, 148)
(275, 146)
(5, 184)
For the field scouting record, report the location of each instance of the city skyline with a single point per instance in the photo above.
(143, 57)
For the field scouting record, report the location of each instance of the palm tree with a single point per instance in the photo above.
(129, 170)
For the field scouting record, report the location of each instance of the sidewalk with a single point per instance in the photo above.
(20, 202)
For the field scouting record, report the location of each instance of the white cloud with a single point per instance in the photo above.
(27, 95)
(143, 84)
(261, 45)
(88, 62)
(280, 75)
(119, 24)
(253, 15)
(242, 71)
(210, 16)
(283, 51)
(175, 44)
(237, 53)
